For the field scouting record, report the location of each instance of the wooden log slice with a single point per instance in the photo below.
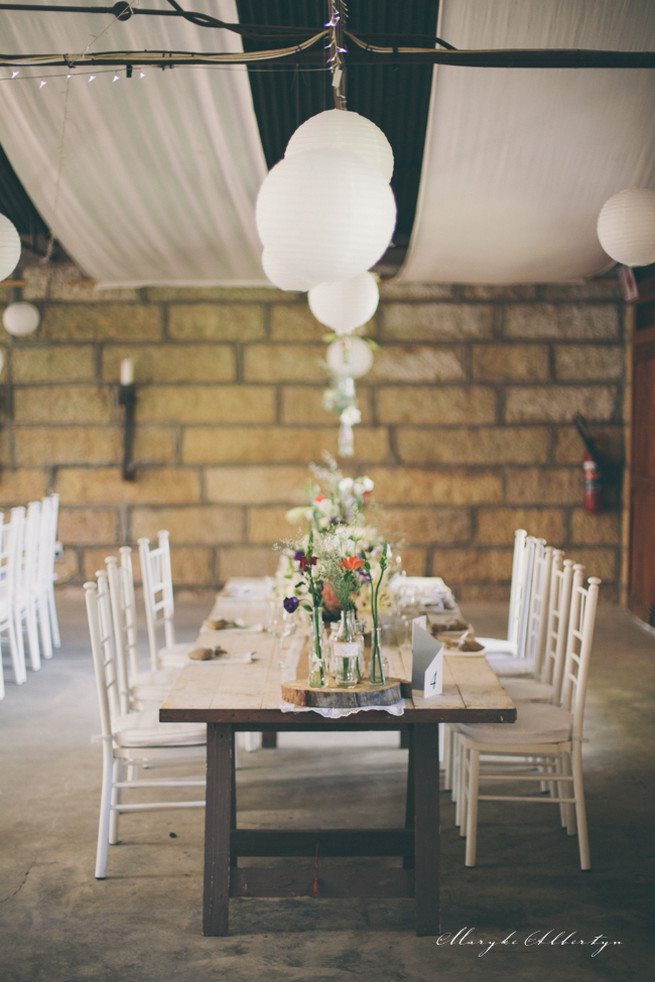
(299, 693)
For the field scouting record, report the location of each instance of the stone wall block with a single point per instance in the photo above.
(270, 444)
(66, 445)
(246, 560)
(257, 485)
(518, 362)
(566, 321)
(589, 361)
(496, 526)
(416, 363)
(172, 362)
(284, 363)
(101, 321)
(560, 403)
(206, 525)
(88, 526)
(603, 529)
(53, 363)
(216, 322)
(413, 486)
(17, 487)
(206, 404)
(105, 486)
(470, 446)
(426, 526)
(295, 322)
(458, 566)
(438, 406)
(550, 486)
(302, 404)
(268, 524)
(435, 321)
(55, 404)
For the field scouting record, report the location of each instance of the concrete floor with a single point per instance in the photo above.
(143, 923)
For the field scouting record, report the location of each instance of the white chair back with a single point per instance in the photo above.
(157, 579)
(9, 563)
(534, 549)
(515, 590)
(538, 615)
(104, 654)
(584, 602)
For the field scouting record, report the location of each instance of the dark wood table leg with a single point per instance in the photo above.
(426, 828)
(219, 818)
(408, 861)
(269, 740)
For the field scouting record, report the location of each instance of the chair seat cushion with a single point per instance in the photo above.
(511, 666)
(527, 690)
(536, 722)
(143, 729)
(498, 646)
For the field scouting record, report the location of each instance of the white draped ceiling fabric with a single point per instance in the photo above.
(518, 162)
(153, 180)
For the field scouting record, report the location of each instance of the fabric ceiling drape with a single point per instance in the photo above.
(144, 181)
(518, 162)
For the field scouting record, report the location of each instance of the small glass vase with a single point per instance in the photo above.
(376, 672)
(317, 677)
(347, 646)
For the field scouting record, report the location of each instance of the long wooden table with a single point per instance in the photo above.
(246, 697)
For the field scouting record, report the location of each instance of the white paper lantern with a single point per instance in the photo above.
(325, 215)
(626, 227)
(280, 274)
(346, 304)
(21, 318)
(349, 357)
(10, 247)
(348, 132)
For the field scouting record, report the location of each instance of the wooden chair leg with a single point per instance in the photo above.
(472, 806)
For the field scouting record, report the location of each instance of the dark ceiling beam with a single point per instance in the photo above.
(506, 58)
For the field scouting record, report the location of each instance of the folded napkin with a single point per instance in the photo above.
(456, 641)
(207, 654)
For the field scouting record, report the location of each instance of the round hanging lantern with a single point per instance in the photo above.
(348, 132)
(350, 357)
(325, 215)
(280, 274)
(626, 227)
(9, 247)
(21, 318)
(346, 304)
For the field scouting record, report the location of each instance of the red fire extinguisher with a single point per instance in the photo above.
(592, 484)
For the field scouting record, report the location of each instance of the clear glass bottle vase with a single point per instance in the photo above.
(347, 646)
(376, 667)
(317, 676)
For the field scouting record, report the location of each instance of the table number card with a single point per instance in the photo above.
(427, 660)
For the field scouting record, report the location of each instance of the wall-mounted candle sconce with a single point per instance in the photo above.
(127, 398)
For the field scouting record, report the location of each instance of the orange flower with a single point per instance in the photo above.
(352, 562)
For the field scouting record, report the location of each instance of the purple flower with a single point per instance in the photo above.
(298, 554)
(290, 604)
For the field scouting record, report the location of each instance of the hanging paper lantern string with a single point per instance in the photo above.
(346, 304)
(626, 227)
(339, 129)
(10, 247)
(325, 216)
(350, 356)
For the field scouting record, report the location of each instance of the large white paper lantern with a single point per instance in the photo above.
(10, 247)
(348, 132)
(346, 304)
(325, 215)
(281, 273)
(21, 318)
(350, 357)
(626, 227)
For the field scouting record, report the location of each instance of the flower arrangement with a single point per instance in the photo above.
(310, 587)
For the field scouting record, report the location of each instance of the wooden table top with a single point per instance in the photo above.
(219, 691)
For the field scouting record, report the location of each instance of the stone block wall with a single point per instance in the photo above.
(467, 422)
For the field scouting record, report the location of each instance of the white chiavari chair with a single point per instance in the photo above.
(544, 743)
(133, 739)
(520, 571)
(9, 560)
(25, 605)
(157, 577)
